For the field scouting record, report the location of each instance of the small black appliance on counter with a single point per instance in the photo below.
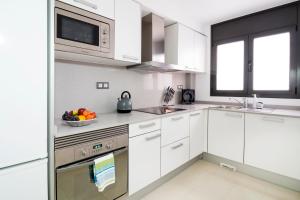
(188, 96)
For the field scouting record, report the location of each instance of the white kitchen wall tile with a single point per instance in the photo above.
(75, 86)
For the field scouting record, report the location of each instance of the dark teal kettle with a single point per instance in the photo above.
(124, 103)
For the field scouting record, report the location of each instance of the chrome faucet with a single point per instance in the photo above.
(244, 101)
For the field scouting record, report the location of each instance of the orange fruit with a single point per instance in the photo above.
(90, 116)
(86, 113)
(94, 115)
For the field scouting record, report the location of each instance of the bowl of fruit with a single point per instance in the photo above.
(80, 117)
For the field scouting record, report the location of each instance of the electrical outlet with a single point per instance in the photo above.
(102, 85)
(106, 85)
(179, 87)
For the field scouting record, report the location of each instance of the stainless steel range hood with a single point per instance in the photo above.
(153, 47)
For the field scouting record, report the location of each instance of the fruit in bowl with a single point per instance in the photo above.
(80, 117)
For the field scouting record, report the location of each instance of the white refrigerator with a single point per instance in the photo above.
(23, 100)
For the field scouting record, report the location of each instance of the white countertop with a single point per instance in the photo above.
(265, 111)
(116, 119)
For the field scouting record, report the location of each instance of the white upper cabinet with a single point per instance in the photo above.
(104, 8)
(198, 132)
(127, 31)
(272, 143)
(185, 47)
(199, 52)
(226, 134)
(185, 41)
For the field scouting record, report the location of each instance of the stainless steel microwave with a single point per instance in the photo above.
(82, 32)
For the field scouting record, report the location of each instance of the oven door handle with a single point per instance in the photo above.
(87, 162)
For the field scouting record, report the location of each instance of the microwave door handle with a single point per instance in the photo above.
(87, 3)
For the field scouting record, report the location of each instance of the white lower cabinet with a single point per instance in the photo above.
(272, 143)
(174, 128)
(198, 132)
(144, 127)
(144, 160)
(226, 134)
(174, 155)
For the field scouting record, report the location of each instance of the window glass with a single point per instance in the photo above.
(230, 66)
(271, 62)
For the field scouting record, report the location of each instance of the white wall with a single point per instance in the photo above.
(75, 87)
(202, 85)
(172, 10)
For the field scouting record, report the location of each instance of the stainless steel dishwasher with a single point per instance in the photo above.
(74, 159)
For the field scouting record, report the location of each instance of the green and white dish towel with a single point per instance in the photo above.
(104, 171)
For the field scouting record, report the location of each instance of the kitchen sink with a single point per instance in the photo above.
(241, 108)
(230, 107)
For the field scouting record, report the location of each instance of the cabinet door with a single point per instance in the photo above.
(226, 134)
(272, 143)
(23, 82)
(28, 181)
(101, 7)
(144, 160)
(127, 31)
(185, 46)
(199, 52)
(174, 155)
(198, 130)
(174, 128)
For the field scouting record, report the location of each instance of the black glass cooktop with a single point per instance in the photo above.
(161, 110)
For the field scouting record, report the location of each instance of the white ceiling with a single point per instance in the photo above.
(197, 13)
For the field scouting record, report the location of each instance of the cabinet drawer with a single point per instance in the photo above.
(174, 155)
(144, 127)
(144, 160)
(174, 128)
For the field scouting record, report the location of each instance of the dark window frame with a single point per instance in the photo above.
(292, 25)
(292, 82)
(297, 90)
(235, 93)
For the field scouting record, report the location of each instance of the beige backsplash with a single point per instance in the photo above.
(75, 86)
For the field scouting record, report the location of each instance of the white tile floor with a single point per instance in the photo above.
(207, 181)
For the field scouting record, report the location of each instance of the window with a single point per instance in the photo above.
(230, 66)
(257, 54)
(271, 62)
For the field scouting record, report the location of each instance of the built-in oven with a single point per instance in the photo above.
(82, 32)
(75, 157)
